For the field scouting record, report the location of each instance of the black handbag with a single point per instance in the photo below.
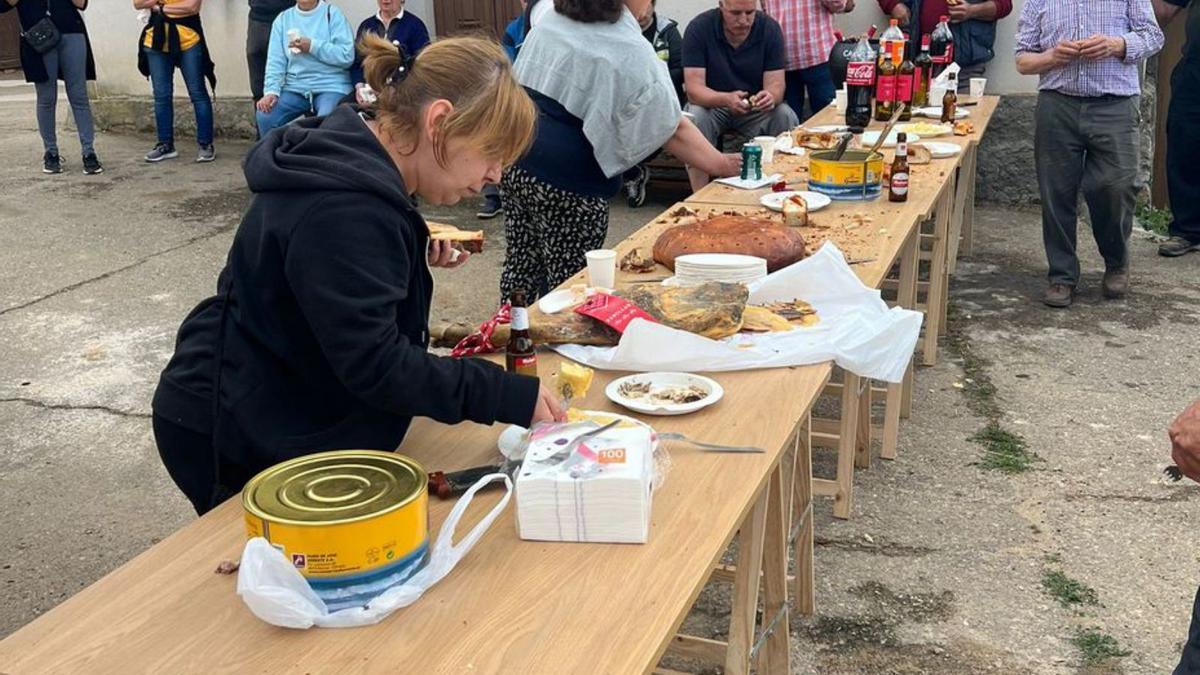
(43, 35)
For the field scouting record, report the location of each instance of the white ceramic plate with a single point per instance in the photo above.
(510, 439)
(942, 149)
(829, 128)
(658, 381)
(919, 129)
(935, 112)
(815, 200)
(869, 138)
(718, 261)
(794, 150)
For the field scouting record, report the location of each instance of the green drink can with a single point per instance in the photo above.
(751, 161)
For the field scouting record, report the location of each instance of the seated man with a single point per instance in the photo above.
(733, 60)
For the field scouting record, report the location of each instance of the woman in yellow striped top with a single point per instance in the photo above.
(174, 38)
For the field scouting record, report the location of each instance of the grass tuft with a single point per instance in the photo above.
(1153, 218)
(1097, 647)
(1004, 451)
(1068, 591)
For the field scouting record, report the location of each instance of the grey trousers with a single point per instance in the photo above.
(258, 38)
(713, 122)
(1088, 144)
(68, 59)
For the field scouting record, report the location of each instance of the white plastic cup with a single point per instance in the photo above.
(293, 35)
(767, 143)
(978, 85)
(840, 99)
(602, 268)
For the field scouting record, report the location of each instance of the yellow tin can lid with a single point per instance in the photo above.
(338, 486)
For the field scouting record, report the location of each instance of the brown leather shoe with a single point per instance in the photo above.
(1059, 295)
(1115, 284)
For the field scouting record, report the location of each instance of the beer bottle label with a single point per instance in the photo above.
(899, 183)
(886, 91)
(521, 363)
(904, 87)
(860, 73)
(519, 319)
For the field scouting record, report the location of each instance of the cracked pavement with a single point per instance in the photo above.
(939, 571)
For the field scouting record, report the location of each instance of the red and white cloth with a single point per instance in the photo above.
(807, 29)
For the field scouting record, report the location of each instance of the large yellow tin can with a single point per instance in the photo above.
(855, 176)
(346, 518)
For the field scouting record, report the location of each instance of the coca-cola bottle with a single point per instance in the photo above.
(941, 45)
(860, 84)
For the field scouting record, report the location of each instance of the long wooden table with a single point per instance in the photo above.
(512, 606)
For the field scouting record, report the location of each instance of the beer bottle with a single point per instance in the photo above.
(905, 75)
(520, 356)
(885, 87)
(921, 78)
(898, 185)
(950, 100)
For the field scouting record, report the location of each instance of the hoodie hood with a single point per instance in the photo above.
(338, 152)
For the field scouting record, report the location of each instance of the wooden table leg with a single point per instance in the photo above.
(906, 297)
(751, 540)
(802, 520)
(862, 440)
(773, 654)
(937, 270)
(848, 431)
(968, 225)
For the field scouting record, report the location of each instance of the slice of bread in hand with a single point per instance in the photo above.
(470, 241)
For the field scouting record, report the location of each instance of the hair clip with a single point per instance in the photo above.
(406, 64)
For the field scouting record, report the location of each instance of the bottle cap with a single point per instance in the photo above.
(894, 22)
(944, 18)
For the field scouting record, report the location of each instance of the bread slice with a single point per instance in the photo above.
(795, 211)
(470, 241)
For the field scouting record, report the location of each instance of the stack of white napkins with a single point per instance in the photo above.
(600, 493)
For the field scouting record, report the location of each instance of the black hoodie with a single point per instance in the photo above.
(320, 322)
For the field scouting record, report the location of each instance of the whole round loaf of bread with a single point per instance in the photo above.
(779, 245)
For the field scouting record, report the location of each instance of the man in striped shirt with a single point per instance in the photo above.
(1086, 54)
(808, 38)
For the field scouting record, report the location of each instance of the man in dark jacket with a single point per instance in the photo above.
(317, 337)
(258, 38)
(973, 23)
(1183, 138)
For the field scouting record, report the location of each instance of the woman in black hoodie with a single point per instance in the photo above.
(317, 337)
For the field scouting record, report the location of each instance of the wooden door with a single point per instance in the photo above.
(488, 17)
(10, 41)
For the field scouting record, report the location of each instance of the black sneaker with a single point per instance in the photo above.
(162, 151)
(207, 153)
(91, 164)
(51, 163)
(1177, 246)
(492, 207)
(635, 190)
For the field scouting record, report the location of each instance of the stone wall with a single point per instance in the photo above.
(234, 116)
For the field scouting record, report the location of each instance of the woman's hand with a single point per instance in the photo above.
(301, 43)
(730, 164)
(443, 254)
(548, 408)
(266, 103)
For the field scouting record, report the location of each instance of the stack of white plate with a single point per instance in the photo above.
(699, 268)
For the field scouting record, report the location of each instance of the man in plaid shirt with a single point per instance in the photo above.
(1086, 54)
(808, 38)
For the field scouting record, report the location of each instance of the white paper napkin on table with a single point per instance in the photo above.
(747, 184)
(857, 330)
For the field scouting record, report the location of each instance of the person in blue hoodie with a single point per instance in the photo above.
(308, 64)
(317, 337)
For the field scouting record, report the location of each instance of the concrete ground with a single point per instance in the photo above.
(941, 570)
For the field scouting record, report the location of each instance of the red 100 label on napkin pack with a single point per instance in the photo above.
(614, 312)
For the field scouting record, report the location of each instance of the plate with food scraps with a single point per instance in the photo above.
(935, 112)
(828, 128)
(925, 129)
(664, 393)
(513, 437)
(869, 138)
(942, 149)
(815, 201)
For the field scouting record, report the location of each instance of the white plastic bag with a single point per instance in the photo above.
(277, 593)
(857, 330)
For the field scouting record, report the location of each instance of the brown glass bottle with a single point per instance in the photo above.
(521, 355)
(950, 100)
(924, 65)
(905, 82)
(885, 87)
(898, 184)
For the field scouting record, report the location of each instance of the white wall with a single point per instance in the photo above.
(113, 28)
(1002, 73)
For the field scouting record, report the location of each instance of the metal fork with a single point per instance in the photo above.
(565, 452)
(712, 447)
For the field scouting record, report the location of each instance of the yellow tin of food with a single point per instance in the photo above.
(346, 519)
(855, 176)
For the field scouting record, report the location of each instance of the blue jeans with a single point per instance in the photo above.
(819, 83)
(67, 60)
(162, 78)
(293, 104)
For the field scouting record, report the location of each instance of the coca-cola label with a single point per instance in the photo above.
(946, 57)
(899, 183)
(904, 87)
(886, 91)
(860, 73)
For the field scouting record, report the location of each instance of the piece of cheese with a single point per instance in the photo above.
(574, 380)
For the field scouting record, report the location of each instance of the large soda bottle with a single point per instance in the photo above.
(941, 45)
(893, 34)
(921, 79)
(860, 84)
(885, 83)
